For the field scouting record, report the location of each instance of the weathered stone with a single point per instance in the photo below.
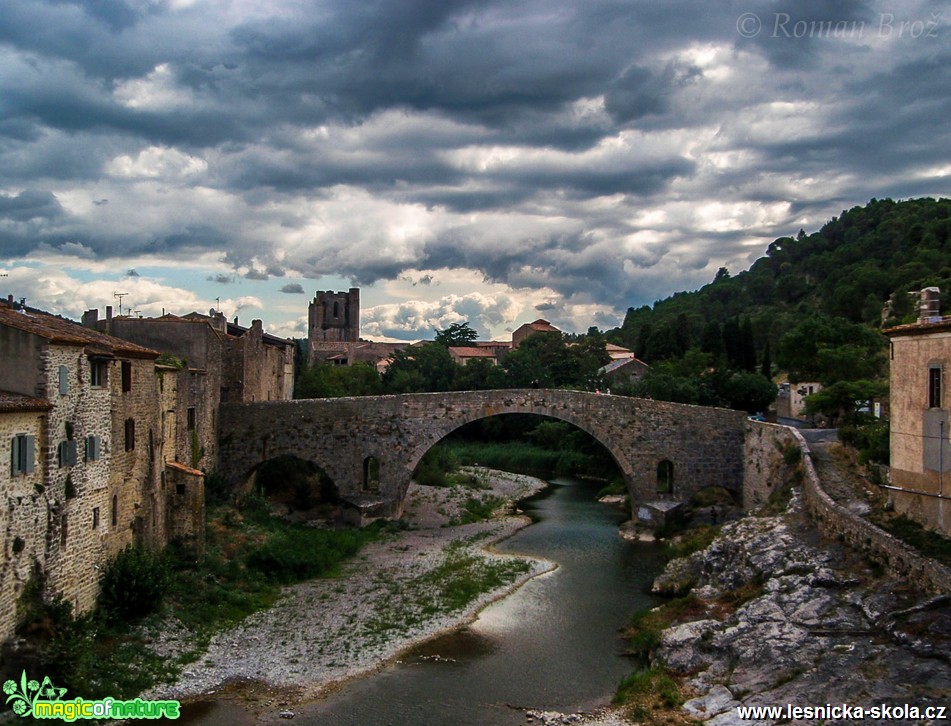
(705, 445)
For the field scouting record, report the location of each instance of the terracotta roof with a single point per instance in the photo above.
(940, 326)
(464, 351)
(616, 348)
(16, 402)
(65, 332)
(181, 467)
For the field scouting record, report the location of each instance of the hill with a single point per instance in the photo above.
(840, 278)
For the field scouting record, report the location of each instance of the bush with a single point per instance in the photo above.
(133, 584)
(301, 554)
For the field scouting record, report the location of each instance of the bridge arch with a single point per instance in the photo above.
(617, 453)
(705, 445)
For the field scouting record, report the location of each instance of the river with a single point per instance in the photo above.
(552, 645)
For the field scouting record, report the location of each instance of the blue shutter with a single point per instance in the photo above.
(72, 454)
(63, 380)
(92, 448)
(29, 443)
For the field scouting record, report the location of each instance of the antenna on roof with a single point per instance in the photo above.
(119, 295)
(217, 304)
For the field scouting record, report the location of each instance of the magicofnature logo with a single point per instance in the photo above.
(45, 701)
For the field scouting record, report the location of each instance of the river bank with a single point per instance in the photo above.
(324, 632)
(775, 614)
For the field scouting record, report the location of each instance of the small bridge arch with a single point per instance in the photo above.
(704, 445)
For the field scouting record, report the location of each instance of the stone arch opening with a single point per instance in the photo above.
(665, 476)
(296, 489)
(712, 505)
(371, 474)
(562, 447)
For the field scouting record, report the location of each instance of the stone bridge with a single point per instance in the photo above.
(666, 451)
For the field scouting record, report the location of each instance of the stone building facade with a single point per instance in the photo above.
(91, 489)
(24, 501)
(920, 445)
(334, 317)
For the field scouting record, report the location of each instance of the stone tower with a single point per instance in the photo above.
(334, 317)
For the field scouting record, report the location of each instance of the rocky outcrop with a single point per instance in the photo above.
(817, 626)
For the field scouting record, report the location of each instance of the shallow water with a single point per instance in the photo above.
(551, 645)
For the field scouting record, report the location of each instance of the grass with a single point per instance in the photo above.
(519, 456)
(652, 696)
(931, 544)
(458, 581)
(249, 556)
(643, 632)
(692, 540)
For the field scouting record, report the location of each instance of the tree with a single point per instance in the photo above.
(324, 380)
(420, 369)
(457, 334)
(767, 366)
(846, 402)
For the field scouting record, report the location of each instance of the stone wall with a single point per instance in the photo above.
(705, 445)
(78, 494)
(764, 465)
(24, 508)
(836, 521)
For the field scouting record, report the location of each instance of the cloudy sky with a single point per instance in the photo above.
(483, 160)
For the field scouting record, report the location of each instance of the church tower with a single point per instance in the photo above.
(334, 317)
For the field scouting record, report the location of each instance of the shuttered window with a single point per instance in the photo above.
(93, 448)
(22, 454)
(63, 380)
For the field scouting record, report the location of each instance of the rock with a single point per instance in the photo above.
(716, 701)
(286, 714)
(681, 647)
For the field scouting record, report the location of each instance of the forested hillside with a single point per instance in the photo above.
(810, 293)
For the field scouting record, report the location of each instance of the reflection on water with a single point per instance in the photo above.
(552, 645)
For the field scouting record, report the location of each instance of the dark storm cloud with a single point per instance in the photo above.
(28, 205)
(293, 288)
(525, 140)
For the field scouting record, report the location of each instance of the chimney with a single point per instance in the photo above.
(10, 301)
(929, 310)
(108, 314)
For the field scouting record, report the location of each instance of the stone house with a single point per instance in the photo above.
(256, 366)
(462, 354)
(95, 485)
(537, 326)
(24, 504)
(920, 448)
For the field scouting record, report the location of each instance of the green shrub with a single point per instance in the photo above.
(133, 584)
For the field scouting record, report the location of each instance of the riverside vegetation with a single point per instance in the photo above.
(250, 554)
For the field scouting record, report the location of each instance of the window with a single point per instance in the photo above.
(151, 446)
(191, 419)
(115, 511)
(97, 373)
(126, 376)
(67, 453)
(371, 474)
(129, 434)
(336, 310)
(95, 517)
(665, 477)
(180, 490)
(22, 454)
(63, 530)
(63, 380)
(93, 448)
(934, 387)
